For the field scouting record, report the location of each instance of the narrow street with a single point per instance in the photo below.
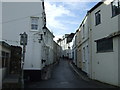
(63, 76)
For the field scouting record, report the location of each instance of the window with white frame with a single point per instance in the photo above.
(115, 7)
(34, 23)
(97, 18)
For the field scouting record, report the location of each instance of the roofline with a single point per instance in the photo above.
(49, 31)
(92, 9)
(96, 6)
(3, 43)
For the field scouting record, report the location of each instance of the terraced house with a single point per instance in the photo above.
(29, 17)
(99, 42)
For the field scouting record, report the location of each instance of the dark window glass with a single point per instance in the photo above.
(5, 58)
(43, 5)
(97, 18)
(119, 6)
(115, 7)
(105, 45)
(83, 31)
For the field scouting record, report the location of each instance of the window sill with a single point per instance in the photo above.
(105, 51)
(97, 24)
(34, 30)
(114, 15)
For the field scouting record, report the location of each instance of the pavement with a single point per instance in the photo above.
(84, 76)
(79, 72)
(64, 76)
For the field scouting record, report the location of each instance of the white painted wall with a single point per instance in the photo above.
(83, 46)
(64, 46)
(74, 49)
(79, 49)
(107, 69)
(16, 20)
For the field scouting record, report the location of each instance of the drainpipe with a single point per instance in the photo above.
(90, 45)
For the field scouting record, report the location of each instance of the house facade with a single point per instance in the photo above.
(79, 48)
(65, 46)
(98, 41)
(57, 52)
(74, 49)
(48, 46)
(104, 35)
(82, 45)
(29, 17)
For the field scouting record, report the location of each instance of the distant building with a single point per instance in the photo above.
(64, 42)
(74, 48)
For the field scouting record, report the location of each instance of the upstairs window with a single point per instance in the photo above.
(83, 31)
(97, 18)
(115, 7)
(34, 23)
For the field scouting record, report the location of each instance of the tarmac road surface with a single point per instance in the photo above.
(63, 76)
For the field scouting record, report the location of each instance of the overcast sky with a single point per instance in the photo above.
(65, 17)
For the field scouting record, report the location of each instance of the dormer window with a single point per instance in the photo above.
(34, 23)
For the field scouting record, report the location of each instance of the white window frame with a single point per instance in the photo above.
(34, 23)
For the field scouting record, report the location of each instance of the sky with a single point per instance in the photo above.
(65, 17)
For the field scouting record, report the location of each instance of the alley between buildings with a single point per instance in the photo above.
(63, 76)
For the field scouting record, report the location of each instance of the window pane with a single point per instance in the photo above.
(97, 18)
(119, 7)
(34, 20)
(105, 45)
(115, 8)
(34, 23)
